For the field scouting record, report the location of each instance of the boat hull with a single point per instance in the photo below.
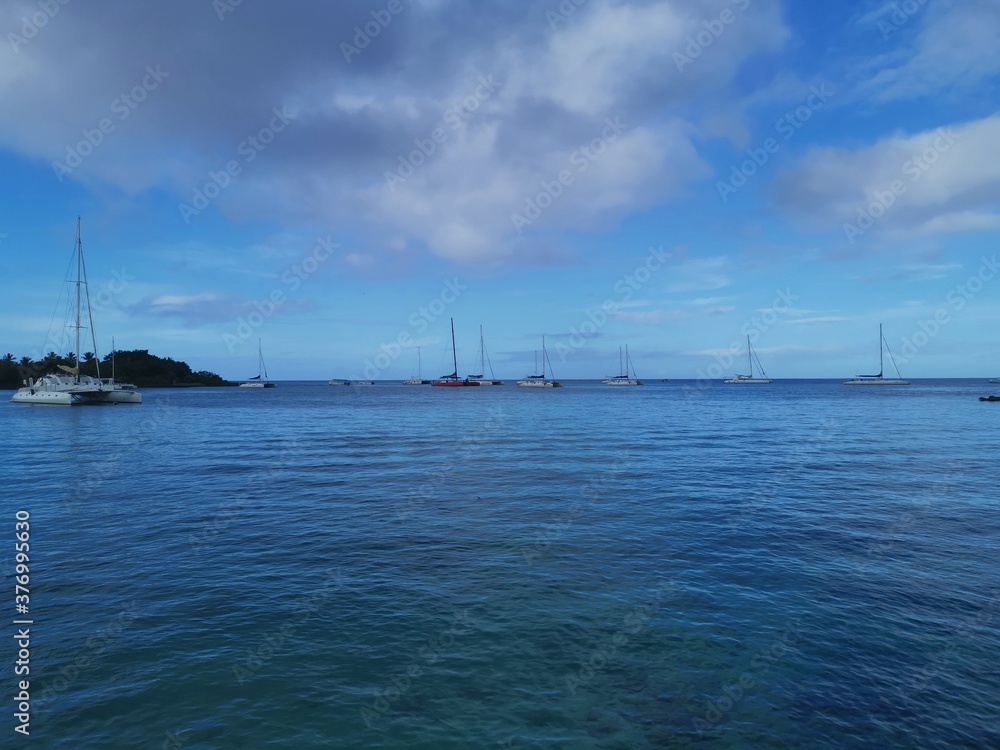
(875, 381)
(622, 381)
(747, 381)
(257, 385)
(538, 384)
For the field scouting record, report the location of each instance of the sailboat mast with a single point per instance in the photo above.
(79, 271)
(749, 356)
(454, 354)
(482, 352)
(880, 350)
(419, 376)
(543, 356)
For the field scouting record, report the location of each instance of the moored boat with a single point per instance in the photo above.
(879, 379)
(70, 387)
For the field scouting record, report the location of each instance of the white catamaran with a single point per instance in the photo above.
(540, 381)
(878, 379)
(750, 379)
(624, 378)
(71, 388)
(260, 379)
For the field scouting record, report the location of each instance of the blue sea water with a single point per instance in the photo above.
(794, 565)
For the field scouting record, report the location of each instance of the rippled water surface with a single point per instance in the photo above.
(794, 565)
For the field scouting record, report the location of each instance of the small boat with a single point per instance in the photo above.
(750, 379)
(624, 378)
(994, 380)
(483, 359)
(878, 379)
(989, 398)
(451, 381)
(260, 379)
(365, 382)
(539, 381)
(71, 388)
(417, 380)
(337, 381)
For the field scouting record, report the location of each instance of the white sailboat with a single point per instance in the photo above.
(540, 381)
(878, 379)
(623, 368)
(417, 380)
(750, 379)
(480, 379)
(71, 388)
(259, 380)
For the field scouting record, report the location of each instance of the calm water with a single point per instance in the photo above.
(794, 565)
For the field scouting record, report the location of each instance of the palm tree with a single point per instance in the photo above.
(8, 357)
(25, 361)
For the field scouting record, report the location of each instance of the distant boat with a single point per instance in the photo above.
(989, 398)
(260, 379)
(540, 381)
(365, 382)
(417, 380)
(72, 388)
(337, 381)
(994, 380)
(451, 381)
(623, 367)
(483, 359)
(751, 356)
(878, 379)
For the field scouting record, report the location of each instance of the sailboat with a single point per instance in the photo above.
(452, 380)
(417, 380)
(878, 379)
(751, 356)
(70, 387)
(623, 368)
(260, 379)
(540, 381)
(483, 358)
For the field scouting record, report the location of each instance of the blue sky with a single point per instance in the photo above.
(339, 180)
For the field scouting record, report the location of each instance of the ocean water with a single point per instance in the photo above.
(795, 565)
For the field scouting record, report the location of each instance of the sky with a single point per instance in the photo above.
(337, 181)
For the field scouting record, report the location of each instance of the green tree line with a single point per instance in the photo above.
(137, 366)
